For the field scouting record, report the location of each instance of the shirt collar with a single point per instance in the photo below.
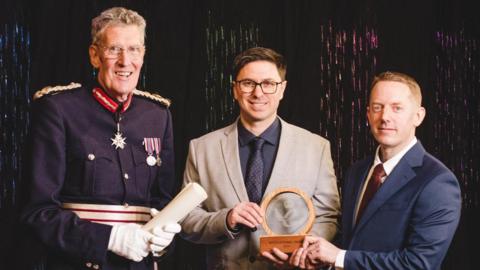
(270, 135)
(390, 164)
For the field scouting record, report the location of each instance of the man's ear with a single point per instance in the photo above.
(235, 94)
(419, 116)
(94, 56)
(283, 86)
(368, 115)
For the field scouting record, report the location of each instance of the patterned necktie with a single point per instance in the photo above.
(254, 177)
(373, 185)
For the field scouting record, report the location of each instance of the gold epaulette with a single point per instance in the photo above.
(155, 97)
(55, 89)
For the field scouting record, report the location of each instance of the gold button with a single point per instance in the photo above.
(125, 176)
(88, 264)
(91, 156)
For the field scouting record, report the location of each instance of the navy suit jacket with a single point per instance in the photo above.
(410, 221)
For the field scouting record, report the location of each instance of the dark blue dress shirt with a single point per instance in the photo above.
(269, 151)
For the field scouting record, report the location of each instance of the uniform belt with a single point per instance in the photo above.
(110, 214)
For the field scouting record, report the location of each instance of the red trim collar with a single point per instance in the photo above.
(107, 102)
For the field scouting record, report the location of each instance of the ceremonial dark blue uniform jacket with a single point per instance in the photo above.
(72, 159)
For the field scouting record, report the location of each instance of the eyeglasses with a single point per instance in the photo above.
(267, 87)
(113, 52)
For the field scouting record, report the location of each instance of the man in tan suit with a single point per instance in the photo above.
(229, 221)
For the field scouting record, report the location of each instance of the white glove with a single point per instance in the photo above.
(129, 241)
(162, 235)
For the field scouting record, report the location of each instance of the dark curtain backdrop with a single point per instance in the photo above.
(333, 48)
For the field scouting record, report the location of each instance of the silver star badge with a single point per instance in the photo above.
(118, 141)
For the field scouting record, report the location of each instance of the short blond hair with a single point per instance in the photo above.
(402, 78)
(116, 16)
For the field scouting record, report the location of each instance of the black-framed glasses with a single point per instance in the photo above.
(267, 86)
(113, 52)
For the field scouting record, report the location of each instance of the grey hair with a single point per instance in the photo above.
(116, 16)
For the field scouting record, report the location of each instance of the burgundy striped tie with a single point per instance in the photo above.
(373, 185)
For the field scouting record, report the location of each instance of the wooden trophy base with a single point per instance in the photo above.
(286, 243)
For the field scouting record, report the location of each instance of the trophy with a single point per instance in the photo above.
(289, 216)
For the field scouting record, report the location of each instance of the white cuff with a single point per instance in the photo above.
(111, 240)
(340, 259)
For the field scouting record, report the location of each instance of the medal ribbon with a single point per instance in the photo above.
(148, 143)
(157, 146)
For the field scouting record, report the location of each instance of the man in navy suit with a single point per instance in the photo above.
(409, 219)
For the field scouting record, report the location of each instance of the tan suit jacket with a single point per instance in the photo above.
(303, 161)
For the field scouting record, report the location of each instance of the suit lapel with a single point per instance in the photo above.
(231, 158)
(399, 177)
(285, 149)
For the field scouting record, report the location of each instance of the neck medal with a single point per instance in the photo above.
(117, 108)
(118, 140)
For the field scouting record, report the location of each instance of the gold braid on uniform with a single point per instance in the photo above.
(55, 89)
(155, 97)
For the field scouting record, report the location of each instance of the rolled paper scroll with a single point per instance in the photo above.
(185, 201)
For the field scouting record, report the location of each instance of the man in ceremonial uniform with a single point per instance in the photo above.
(101, 159)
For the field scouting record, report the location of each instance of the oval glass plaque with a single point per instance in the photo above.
(289, 215)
